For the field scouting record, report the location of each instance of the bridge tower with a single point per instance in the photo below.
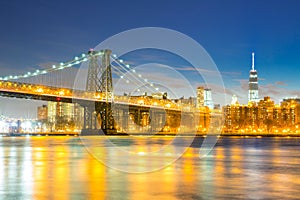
(99, 79)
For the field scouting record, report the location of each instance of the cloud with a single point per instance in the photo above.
(231, 73)
(281, 83)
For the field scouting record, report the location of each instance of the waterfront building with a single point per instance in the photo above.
(262, 117)
(200, 97)
(65, 116)
(42, 112)
(208, 98)
(253, 84)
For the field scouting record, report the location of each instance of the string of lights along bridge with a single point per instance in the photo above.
(102, 109)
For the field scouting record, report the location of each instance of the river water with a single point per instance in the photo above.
(96, 168)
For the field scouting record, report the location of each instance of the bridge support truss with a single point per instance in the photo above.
(99, 79)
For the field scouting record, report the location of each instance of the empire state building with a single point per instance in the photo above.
(253, 84)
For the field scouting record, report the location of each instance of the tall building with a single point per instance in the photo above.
(253, 84)
(200, 97)
(208, 98)
(42, 112)
(264, 117)
(63, 116)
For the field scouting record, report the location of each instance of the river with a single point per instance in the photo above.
(148, 168)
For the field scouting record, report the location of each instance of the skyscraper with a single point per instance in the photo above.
(253, 84)
(208, 98)
(200, 97)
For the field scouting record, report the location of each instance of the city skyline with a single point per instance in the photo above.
(229, 32)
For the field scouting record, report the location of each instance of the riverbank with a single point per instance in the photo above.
(76, 134)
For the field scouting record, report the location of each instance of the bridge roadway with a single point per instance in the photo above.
(163, 114)
(49, 93)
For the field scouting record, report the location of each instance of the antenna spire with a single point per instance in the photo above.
(252, 61)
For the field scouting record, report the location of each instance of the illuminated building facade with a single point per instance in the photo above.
(208, 98)
(200, 97)
(253, 84)
(42, 112)
(65, 116)
(263, 117)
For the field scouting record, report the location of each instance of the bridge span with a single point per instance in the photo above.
(104, 111)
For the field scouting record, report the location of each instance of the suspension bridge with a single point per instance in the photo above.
(105, 111)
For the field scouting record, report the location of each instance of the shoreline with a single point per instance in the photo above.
(248, 135)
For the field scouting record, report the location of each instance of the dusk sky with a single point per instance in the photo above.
(36, 33)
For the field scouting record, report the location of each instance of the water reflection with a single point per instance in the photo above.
(61, 168)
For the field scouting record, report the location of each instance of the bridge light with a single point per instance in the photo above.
(140, 75)
(114, 55)
(151, 84)
(76, 58)
(128, 66)
(127, 81)
(85, 59)
(61, 92)
(15, 77)
(53, 66)
(10, 76)
(1, 78)
(121, 76)
(83, 55)
(44, 72)
(121, 61)
(156, 89)
(145, 80)
(69, 65)
(28, 73)
(40, 90)
(37, 71)
(133, 70)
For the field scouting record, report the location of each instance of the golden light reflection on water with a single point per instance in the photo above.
(61, 168)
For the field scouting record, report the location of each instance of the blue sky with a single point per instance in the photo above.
(38, 32)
